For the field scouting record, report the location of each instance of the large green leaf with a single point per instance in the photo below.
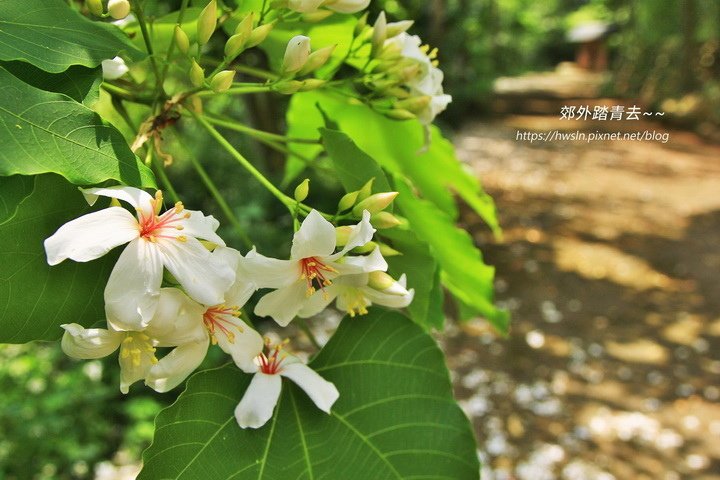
(43, 132)
(395, 418)
(34, 297)
(82, 84)
(396, 146)
(352, 166)
(463, 271)
(13, 190)
(52, 36)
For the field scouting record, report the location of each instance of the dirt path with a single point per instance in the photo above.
(610, 267)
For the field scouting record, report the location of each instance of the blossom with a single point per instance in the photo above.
(354, 293)
(312, 266)
(175, 324)
(114, 68)
(258, 402)
(427, 81)
(154, 241)
(347, 6)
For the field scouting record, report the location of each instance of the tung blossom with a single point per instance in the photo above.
(257, 405)
(175, 324)
(114, 68)
(312, 266)
(154, 241)
(353, 294)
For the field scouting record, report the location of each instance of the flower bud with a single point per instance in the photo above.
(347, 6)
(206, 22)
(382, 220)
(400, 114)
(259, 34)
(296, 54)
(382, 281)
(114, 68)
(366, 190)
(375, 203)
(235, 45)
(367, 248)
(302, 190)
(287, 87)
(222, 81)
(379, 34)
(396, 28)
(316, 16)
(388, 251)
(95, 7)
(342, 235)
(347, 201)
(311, 84)
(414, 104)
(361, 24)
(304, 6)
(245, 27)
(118, 9)
(197, 74)
(181, 40)
(317, 59)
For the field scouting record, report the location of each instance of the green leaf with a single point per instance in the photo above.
(353, 166)
(396, 146)
(52, 36)
(45, 132)
(79, 83)
(423, 274)
(463, 271)
(36, 298)
(395, 418)
(13, 190)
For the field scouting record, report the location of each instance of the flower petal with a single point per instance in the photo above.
(175, 367)
(318, 301)
(177, 320)
(349, 6)
(372, 262)
(133, 289)
(201, 226)
(204, 277)
(246, 345)
(266, 272)
(86, 343)
(360, 234)
(391, 300)
(315, 238)
(131, 372)
(139, 199)
(321, 392)
(91, 236)
(283, 304)
(258, 403)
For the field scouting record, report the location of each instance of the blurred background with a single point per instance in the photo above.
(608, 263)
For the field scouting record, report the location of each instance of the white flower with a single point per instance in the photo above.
(312, 266)
(169, 240)
(304, 6)
(175, 324)
(296, 53)
(354, 293)
(347, 6)
(428, 80)
(257, 405)
(114, 68)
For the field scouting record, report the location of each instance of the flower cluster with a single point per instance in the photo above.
(176, 285)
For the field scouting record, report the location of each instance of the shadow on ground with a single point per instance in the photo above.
(610, 267)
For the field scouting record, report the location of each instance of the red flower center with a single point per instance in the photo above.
(270, 363)
(151, 226)
(314, 272)
(221, 318)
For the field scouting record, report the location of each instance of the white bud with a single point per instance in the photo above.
(347, 6)
(379, 34)
(296, 54)
(304, 6)
(118, 9)
(396, 28)
(114, 68)
(317, 59)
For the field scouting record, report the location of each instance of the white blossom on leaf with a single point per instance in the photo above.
(257, 404)
(312, 266)
(175, 324)
(154, 241)
(353, 294)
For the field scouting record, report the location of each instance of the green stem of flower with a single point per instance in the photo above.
(120, 92)
(259, 134)
(256, 72)
(212, 188)
(151, 158)
(240, 90)
(148, 44)
(306, 330)
(171, 48)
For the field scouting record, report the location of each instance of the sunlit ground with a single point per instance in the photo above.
(610, 268)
